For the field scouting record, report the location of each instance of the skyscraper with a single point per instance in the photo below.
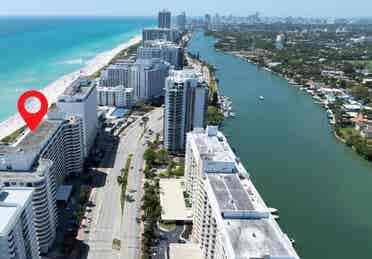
(181, 22)
(160, 34)
(208, 21)
(41, 159)
(164, 19)
(164, 50)
(80, 99)
(147, 78)
(186, 101)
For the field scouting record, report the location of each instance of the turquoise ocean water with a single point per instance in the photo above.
(35, 51)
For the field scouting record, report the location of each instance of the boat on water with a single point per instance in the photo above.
(262, 98)
(273, 211)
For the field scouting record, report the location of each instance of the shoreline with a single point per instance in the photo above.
(54, 89)
(291, 82)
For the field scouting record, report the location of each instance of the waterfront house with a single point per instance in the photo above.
(363, 126)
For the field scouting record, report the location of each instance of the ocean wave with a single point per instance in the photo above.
(78, 61)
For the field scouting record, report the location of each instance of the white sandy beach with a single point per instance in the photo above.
(56, 88)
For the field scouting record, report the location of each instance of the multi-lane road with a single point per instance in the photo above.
(108, 221)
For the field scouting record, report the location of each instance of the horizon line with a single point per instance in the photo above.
(154, 16)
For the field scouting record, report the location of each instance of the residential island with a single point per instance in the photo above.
(330, 60)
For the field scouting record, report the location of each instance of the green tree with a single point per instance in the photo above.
(162, 156)
(149, 156)
(214, 116)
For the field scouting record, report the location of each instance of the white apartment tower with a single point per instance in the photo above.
(164, 19)
(80, 99)
(41, 159)
(148, 78)
(230, 219)
(186, 102)
(164, 50)
(117, 96)
(17, 227)
(116, 74)
(172, 35)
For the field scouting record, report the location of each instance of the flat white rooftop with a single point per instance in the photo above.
(185, 251)
(172, 201)
(180, 76)
(213, 146)
(257, 238)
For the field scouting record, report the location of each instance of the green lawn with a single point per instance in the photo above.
(12, 137)
(346, 133)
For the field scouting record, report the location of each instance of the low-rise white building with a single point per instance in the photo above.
(230, 219)
(17, 227)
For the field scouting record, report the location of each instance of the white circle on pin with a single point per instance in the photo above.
(33, 105)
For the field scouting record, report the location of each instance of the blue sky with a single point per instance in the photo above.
(331, 8)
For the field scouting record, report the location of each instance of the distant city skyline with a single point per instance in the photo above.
(316, 8)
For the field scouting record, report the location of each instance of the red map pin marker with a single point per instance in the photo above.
(32, 119)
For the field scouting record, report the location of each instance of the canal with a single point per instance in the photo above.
(322, 189)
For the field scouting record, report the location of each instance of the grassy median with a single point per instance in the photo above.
(123, 181)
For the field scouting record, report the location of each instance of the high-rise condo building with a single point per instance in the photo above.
(116, 74)
(230, 219)
(186, 102)
(208, 21)
(181, 22)
(148, 78)
(164, 19)
(41, 159)
(160, 34)
(17, 224)
(117, 96)
(80, 99)
(164, 50)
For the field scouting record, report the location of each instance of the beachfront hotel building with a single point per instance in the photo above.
(186, 102)
(42, 159)
(164, 19)
(17, 227)
(230, 219)
(172, 35)
(80, 99)
(147, 78)
(164, 50)
(117, 96)
(116, 74)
